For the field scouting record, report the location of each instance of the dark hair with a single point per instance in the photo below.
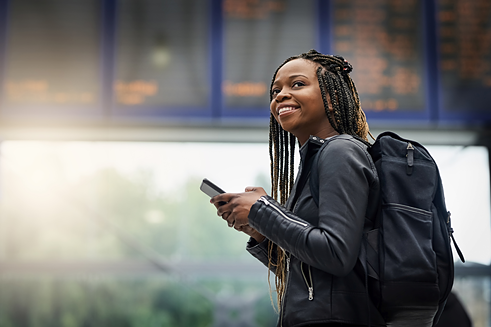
(346, 117)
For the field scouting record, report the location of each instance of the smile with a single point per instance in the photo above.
(285, 109)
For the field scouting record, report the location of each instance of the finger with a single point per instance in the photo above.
(230, 221)
(250, 188)
(223, 209)
(224, 197)
(225, 216)
(218, 204)
(230, 218)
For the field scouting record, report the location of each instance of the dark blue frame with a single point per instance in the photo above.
(214, 111)
(109, 8)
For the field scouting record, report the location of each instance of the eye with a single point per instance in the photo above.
(298, 84)
(275, 91)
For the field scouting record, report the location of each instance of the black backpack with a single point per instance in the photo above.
(406, 258)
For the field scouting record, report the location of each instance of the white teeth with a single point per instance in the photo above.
(282, 110)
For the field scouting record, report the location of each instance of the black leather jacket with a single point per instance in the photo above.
(323, 243)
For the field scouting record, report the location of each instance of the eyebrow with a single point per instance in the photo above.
(291, 77)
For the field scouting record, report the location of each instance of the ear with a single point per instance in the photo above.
(329, 103)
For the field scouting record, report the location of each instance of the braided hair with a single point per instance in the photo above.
(346, 117)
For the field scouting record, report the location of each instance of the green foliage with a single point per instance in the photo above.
(127, 303)
(113, 216)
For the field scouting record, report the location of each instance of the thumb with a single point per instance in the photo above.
(250, 188)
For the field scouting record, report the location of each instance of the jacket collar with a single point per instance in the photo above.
(311, 147)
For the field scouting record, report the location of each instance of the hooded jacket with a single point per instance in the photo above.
(322, 243)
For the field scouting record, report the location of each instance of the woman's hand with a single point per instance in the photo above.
(236, 208)
(251, 232)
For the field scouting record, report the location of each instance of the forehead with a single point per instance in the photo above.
(297, 67)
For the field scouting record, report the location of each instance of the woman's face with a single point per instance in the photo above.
(297, 101)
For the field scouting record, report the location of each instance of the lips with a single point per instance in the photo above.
(285, 109)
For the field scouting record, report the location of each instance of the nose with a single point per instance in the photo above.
(282, 95)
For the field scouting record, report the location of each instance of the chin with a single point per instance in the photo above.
(286, 127)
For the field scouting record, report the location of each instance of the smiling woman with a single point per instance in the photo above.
(313, 99)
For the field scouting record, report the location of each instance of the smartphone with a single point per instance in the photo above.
(210, 189)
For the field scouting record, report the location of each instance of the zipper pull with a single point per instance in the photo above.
(311, 293)
(450, 234)
(263, 199)
(410, 158)
(287, 264)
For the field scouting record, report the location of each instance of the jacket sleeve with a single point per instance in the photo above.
(260, 252)
(346, 173)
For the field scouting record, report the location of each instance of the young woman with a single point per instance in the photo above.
(312, 249)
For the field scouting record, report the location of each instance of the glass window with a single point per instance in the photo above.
(464, 29)
(162, 59)
(465, 177)
(383, 40)
(52, 56)
(258, 37)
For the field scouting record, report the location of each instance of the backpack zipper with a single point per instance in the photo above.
(450, 235)
(310, 286)
(408, 208)
(410, 158)
(266, 202)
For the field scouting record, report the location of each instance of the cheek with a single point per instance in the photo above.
(318, 103)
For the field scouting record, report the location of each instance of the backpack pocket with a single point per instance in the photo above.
(409, 290)
(408, 246)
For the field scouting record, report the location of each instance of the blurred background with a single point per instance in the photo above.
(112, 112)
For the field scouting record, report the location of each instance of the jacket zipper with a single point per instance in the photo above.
(286, 285)
(310, 285)
(266, 202)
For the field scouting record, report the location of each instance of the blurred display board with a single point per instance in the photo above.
(464, 29)
(258, 37)
(162, 56)
(52, 58)
(383, 40)
(207, 60)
